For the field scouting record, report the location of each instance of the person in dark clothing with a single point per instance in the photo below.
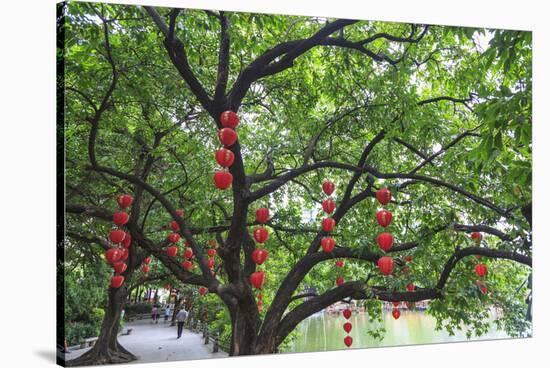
(180, 318)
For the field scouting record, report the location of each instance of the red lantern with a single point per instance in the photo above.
(174, 225)
(120, 218)
(172, 251)
(145, 268)
(328, 224)
(225, 157)
(260, 296)
(328, 206)
(117, 281)
(384, 218)
(211, 252)
(339, 280)
(120, 267)
(347, 327)
(328, 187)
(257, 279)
(328, 244)
(260, 234)
(125, 200)
(227, 136)
(117, 236)
(113, 255)
(406, 269)
(147, 260)
(127, 241)
(383, 195)
(410, 286)
(260, 303)
(385, 264)
(339, 263)
(476, 236)
(407, 258)
(395, 304)
(385, 241)
(174, 238)
(223, 179)
(125, 254)
(346, 313)
(211, 263)
(348, 341)
(259, 255)
(262, 215)
(202, 290)
(396, 313)
(188, 253)
(180, 212)
(229, 119)
(480, 269)
(187, 265)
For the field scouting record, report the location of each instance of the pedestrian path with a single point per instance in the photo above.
(159, 343)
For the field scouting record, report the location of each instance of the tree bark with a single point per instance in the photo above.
(107, 349)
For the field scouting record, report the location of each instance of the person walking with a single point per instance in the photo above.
(180, 318)
(155, 314)
(166, 312)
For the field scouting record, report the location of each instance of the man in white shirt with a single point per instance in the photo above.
(180, 318)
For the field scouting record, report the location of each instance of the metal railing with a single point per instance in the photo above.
(208, 334)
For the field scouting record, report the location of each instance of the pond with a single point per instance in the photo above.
(323, 332)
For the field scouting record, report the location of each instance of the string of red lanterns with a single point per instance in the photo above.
(121, 239)
(480, 268)
(259, 255)
(225, 157)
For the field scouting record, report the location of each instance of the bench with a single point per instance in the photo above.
(90, 341)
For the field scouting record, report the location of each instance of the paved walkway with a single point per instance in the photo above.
(159, 343)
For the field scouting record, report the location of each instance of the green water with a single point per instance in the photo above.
(323, 331)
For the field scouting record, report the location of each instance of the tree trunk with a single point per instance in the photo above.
(107, 349)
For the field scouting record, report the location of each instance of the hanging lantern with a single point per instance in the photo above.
(113, 255)
(174, 225)
(259, 255)
(260, 303)
(328, 187)
(125, 254)
(211, 252)
(328, 206)
(187, 265)
(211, 263)
(384, 218)
(229, 119)
(188, 253)
(347, 327)
(410, 286)
(117, 236)
(120, 218)
(476, 236)
(328, 224)
(260, 234)
(406, 269)
(227, 136)
(202, 290)
(119, 267)
(346, 313)
(396, 313)
(223, 179)
(339, 263)
(383, 195)
(117, 281)
(147, 260)
(260, 296)
(480, 269)
(145, 269)
(395, 304)
(174, 238)
(124, 200)
(348, 341)
(407, 258)
(385, 241)
(257, 279)
(225, 157)
(339, 280)
(180, 212)
(262, 215)
(172, 251)
(328, 244)
(127, 241)
(385, 264)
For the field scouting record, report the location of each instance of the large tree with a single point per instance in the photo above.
(434, 113)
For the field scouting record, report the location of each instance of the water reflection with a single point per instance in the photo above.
(324, 331)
